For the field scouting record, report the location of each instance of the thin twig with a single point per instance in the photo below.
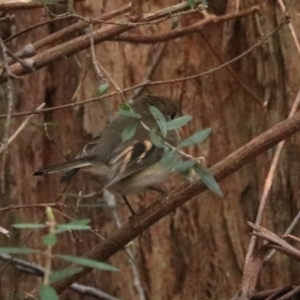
(94, 59)
(288, 231)
(136, 10)
(21, 127)
(10, 100)
(40, 205)
(290, 294)
(69, 29)
(110, 200)
(268, 184)
(291, 27)
(275, 241)
(150, 70)
(218, 55)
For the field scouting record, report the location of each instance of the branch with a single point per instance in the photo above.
(256, 261)
(80, 43)
(30, 4)
(176, 33)
(136, 11)
(250, 275)
(275, 241)
(71, 28)
(275, 293)
(140, 222)
(19, 130)
(154, 83)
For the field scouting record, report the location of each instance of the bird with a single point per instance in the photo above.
(125, 166)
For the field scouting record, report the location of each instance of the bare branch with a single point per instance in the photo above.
(176, 33)
(10, 103)
(275, 241)
(19, 130)
(30, 4)
(136, 10)
(154, 83)
(269, 182)
(83, 42)
(40, 205)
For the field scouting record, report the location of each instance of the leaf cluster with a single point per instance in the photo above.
(47, 292)
(158, 137)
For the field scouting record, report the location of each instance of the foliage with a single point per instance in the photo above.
(171, 158)
(46, 292)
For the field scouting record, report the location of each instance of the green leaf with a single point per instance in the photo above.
(156, 139)
(160, 119)
(47, 292)
(102, 88)
(184, 166)
(28, 226)
(169, 159)
(129, 131)
(49, 239)
(87, 262)
(178, 123)
(129, 113)
(191, 3)
(196, 138)
(208, 179)
(74, 225)
(59, 275)
(124, 106)
(16, 250)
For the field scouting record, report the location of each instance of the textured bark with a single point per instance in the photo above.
(198, 252)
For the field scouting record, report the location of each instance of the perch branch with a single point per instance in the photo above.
(138, 223)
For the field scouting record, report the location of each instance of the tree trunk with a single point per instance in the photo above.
(198, 252)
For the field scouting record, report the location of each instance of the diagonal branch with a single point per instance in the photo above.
(176, 33)
(138, 223)
(83, 42)
(275, 241)
(155, 83)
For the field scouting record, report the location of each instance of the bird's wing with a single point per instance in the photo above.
(129, 158)
(90, 147)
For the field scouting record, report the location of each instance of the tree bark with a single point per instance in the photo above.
(197, 252)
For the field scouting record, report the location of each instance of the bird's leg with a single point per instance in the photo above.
(129, 206)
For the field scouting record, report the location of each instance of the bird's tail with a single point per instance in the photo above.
(65, 166)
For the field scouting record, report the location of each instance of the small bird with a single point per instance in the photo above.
(130, 166)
